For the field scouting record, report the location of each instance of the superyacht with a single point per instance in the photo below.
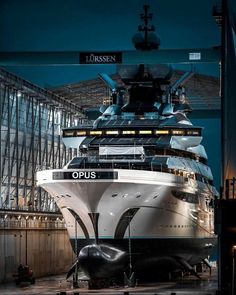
(140, 194)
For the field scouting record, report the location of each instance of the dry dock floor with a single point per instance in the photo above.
(57, 285)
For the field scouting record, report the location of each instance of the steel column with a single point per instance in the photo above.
(39, 199)
(17, 151)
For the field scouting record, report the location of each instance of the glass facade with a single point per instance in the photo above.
(31, 122)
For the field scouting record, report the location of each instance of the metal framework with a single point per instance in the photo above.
(31, 120)
(203, 91)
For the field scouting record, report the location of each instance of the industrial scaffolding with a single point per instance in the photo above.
(31, 123)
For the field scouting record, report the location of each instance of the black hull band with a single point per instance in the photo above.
(195, 249)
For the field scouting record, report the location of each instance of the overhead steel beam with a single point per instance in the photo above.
(108, 81)
(40, 93)
(182, 80)
(195, 55)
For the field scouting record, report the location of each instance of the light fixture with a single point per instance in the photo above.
(162, 132)
(112, 132)
(95, 132)
(145, 132)
(78, 133)
(128, 132)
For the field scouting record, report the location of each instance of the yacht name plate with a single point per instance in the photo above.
(85, 175)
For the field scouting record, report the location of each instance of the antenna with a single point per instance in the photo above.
(146, 17)
(149, 40)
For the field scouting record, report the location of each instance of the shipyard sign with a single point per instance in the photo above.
(100, 57)
(85, 175)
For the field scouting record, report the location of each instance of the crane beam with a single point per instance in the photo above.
(176, 56)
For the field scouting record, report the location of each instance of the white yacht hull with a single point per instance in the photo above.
(135, 211)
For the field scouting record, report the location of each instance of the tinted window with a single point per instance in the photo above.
(185, 197)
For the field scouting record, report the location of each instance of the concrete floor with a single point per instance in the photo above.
(56, 284)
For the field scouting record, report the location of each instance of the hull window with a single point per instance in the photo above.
(186, 197)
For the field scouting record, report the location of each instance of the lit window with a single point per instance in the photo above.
(128, 132)
(145, 132)
(68, 133)
(95, 132)
(79, 133)
(193, 132)
(111, 132)
(194, 55)
(162, 131)
(178, 132)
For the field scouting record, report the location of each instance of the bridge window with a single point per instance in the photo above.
(96, 132)
(193, 132)
(178, 132)
(81, 133)
(128, 132)
(145, 132)
(112, 132)
(68, 133)
(162, 132)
